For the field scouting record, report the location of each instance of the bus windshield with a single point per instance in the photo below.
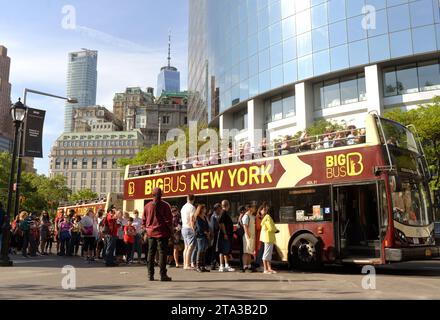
(398, 135)
(411, 205)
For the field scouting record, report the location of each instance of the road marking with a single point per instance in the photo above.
(31, 261)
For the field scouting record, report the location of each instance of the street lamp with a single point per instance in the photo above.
(21, 145)
(18, 112)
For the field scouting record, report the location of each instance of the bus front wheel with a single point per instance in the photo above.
(305, 252)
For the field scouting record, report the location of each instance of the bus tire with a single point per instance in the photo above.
(305, 252)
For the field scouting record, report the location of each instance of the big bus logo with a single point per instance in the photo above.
(131, 189)
(343, 165)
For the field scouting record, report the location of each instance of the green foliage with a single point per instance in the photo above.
(155, 153)
(320, 127)
(37, 192)
(426, 119)
(84, 194)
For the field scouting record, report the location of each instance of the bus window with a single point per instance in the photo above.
(304, 205)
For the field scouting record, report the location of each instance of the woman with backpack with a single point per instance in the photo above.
(87, 225)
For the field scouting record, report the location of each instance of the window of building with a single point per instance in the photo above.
(104, 163)
(340, 91)
(74, 163)
(241, 120)
(411, 78)
(57, 163)
(84, 163)
(429, 75)
(279, 107)
(166, 119)
(94, 163)
(66, 164)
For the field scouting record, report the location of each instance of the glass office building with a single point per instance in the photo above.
(82, 77)
(168, 80)
(279, 65)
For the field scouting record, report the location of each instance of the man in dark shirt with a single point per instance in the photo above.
(225, 237)
(158, 222)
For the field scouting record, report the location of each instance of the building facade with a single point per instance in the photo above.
(82, 78)
(279, 65)
(132, 98)
(168, 80)
(6, 126)
(168, 111)
(94, 118)
(88, 159)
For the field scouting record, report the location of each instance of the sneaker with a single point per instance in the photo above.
(199, 270)
(166, 278)
(221, 269)
(273, 272)
(205, 270)
(229, 269)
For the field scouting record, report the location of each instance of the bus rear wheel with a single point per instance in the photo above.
(305, 252)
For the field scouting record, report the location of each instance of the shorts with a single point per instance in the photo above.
(89, 243)
(224, 246)
(248, 246)
(268, 251)
(188, 237)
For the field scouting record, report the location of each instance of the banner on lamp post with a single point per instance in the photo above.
(33, 134)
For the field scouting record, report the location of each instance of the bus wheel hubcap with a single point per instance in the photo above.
(306, 252)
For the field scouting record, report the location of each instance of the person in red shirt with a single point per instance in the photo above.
(158, 222)
(111, 235)
(129, 235)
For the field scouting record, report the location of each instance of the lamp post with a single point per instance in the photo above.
(21, 145)
(18, 112)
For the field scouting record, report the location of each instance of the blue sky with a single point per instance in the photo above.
(131, 37)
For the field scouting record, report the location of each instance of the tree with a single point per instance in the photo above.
(426, 119)
(84, 194)
(156, 153)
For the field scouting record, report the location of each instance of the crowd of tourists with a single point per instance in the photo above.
(286, 145)
(194, 237)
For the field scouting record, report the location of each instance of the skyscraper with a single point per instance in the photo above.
(82, 77)
(169, 77)
(278, 66)
(5, 101)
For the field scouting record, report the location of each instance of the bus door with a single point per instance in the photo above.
(357, 222)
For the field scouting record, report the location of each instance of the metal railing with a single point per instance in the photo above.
(264, 150)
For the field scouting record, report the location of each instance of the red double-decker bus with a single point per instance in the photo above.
(363, 200)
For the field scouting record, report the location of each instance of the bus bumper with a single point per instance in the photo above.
(416, 253)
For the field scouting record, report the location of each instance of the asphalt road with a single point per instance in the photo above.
(42, 278)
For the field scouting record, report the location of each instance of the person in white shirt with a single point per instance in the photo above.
(137, 224)
(188, 234)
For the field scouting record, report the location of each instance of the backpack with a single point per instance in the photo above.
(240, 230)
(24, 225)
